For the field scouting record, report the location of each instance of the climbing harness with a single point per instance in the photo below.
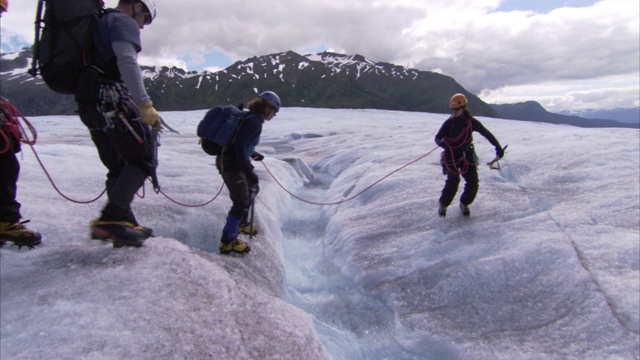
(458, 166)
(117, 107)
(115, 103)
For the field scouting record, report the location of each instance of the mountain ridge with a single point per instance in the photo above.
(323, 80)
(533, 111)
(625, 115)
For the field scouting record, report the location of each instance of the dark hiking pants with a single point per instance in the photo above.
(9, 171)
(128, 162)
(470, 187)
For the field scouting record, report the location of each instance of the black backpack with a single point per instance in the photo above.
(64, 47)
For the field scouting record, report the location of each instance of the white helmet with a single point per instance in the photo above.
(151, 6)
(272, 98)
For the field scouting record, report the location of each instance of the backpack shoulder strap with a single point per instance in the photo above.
(235, 134)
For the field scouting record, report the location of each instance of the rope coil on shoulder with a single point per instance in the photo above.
(464, 139)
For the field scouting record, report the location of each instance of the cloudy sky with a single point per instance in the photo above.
(573, 54)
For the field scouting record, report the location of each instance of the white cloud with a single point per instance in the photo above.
(168, 62)
(501, 49)
(483, 49)
(605, 93)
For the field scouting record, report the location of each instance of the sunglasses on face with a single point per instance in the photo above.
(147, 18)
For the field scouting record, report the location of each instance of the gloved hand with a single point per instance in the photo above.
(252, 178)
(149, 115)
(499, 152)
(256, 156)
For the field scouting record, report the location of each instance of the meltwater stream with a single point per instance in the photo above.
(351, 324)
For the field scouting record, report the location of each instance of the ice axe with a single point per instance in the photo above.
(494, 164)
(164, 123)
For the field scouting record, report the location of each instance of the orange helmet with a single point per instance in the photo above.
(4, 5)
(458, 101)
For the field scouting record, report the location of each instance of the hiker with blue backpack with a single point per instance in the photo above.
(234, 165)
(114, 105)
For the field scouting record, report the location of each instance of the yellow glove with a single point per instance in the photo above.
(149, 115)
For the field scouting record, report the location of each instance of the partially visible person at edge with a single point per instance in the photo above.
(234, 164)
(11, 229)
(119, 114)
(459, 156)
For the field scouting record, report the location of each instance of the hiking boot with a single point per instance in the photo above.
(236, 245)
(18, 234)
(121, 233)
(148, 232)
(248, 229)
(465, 210)
(132, 219)
(442, 211)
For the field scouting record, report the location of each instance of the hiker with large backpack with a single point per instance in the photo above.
(119, 114)
(234, 165)
(11, 228)
(459, 156)
(93, 53)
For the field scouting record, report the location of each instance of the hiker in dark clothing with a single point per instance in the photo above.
(119, 114)
(234, 164)
(11, 228)
(459, 156)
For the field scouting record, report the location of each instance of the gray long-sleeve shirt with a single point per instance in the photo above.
(130, 70)
(118, 38)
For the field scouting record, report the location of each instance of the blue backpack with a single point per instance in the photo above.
(219, 128)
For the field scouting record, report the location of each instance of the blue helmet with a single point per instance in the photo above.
(272, 98)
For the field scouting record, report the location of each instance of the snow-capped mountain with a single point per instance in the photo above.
(322, 80)
(327, 80)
